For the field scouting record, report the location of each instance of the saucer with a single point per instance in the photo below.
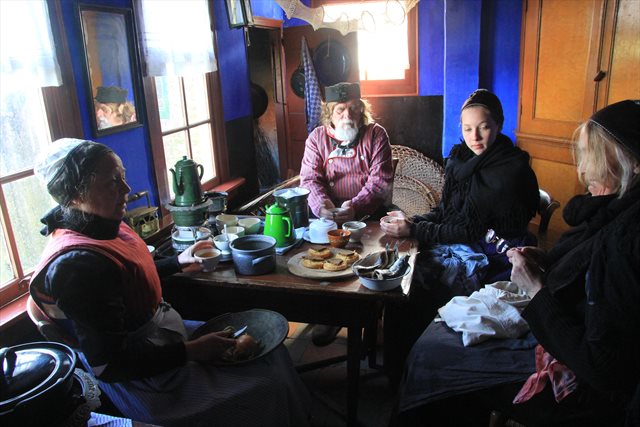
(306, 237)
(226, 256)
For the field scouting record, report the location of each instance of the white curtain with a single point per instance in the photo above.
(176, 37)
(27, 50)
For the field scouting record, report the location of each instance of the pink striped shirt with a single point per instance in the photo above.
(364, 178)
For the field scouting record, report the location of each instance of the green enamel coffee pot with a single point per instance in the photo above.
(186, 182)
(279, 225)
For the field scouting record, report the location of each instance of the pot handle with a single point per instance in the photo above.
(10, 356)
(261, 259)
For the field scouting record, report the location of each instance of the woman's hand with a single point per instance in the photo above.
(396, 224)
(187, 262)
(528, 263)
(210, 346)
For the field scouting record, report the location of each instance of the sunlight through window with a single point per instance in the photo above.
(382, 37)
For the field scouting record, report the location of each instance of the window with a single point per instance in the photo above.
(187, 123)
(386, 44)
(30, 118)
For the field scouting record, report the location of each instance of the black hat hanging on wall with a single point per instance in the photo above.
(259, 100)
(297, 81)
(332, 62)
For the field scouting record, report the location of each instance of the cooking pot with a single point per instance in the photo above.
(254, 254)
(35, 384)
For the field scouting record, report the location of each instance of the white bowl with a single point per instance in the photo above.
(222, 242)
(229, 220)
(356, 228)
(251, 225)
(238, 231)
(382, 284)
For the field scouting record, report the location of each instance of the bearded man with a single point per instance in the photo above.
(347, 160)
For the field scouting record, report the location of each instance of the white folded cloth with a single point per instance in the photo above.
(491, 312)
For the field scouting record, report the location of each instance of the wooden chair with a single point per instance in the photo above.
(414, 164)
(547, 207)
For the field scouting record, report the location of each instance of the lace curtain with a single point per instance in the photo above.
(176, 37)
(27, 49)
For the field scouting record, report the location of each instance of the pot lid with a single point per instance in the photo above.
(30, 370)
(276, 209)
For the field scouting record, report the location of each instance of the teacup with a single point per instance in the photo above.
(208, 257)
(222, 242)
(356, 228)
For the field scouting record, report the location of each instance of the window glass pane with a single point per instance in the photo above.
(196, 94)
(175, 146)
(6, 270)
(27, 202)
(385, 34)
(202, 148)
(23, 129)
(170, 104)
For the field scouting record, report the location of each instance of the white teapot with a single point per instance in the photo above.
(319, 228)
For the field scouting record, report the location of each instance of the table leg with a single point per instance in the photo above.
(354, 338)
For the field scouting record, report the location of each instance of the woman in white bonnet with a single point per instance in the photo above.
(98, 281)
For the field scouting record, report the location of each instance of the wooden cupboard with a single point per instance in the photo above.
(577, 56)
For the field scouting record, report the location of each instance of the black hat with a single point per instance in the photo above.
(111, 94)
(342, 92)
(488, 100)
(622, 121)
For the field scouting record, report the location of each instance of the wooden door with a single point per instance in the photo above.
(577, 56)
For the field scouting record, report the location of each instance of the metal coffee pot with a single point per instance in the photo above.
(279, 225)
(186, 182)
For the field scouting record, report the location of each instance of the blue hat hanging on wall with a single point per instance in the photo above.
(332, 62)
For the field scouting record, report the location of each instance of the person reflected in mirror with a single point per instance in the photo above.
(112, 108)
(347, 160)
(97, 280)
(580, 363)
(488, 185)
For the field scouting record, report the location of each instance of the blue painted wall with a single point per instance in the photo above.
(131, 145)
(463, 44)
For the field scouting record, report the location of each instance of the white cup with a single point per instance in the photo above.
(356, 228)
(251, 225)
(208, 257)
(222, 242)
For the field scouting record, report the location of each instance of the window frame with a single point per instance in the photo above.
(216, 121)
(380, 88)
(63, 115)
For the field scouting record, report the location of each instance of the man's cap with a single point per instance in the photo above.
(111, 94)
(490, 101)
(342, 92)
(622, 121)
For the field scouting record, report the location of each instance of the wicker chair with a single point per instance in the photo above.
(413, 197)
(413, 164)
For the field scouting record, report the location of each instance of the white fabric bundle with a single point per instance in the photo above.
(491, 312)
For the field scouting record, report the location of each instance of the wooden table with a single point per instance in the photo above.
(345, 302)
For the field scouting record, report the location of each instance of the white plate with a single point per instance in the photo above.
(306, 237)
(226, 256)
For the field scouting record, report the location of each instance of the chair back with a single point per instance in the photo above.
(413, 197)
(546, 208)
(413, 164)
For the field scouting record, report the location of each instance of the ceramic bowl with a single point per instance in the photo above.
(222, 242)
(391, 219)
(237, 230)
(382, 284)
(251, 225)
(356, 228)
(229, 220)
(208, 257)
(339, 238)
